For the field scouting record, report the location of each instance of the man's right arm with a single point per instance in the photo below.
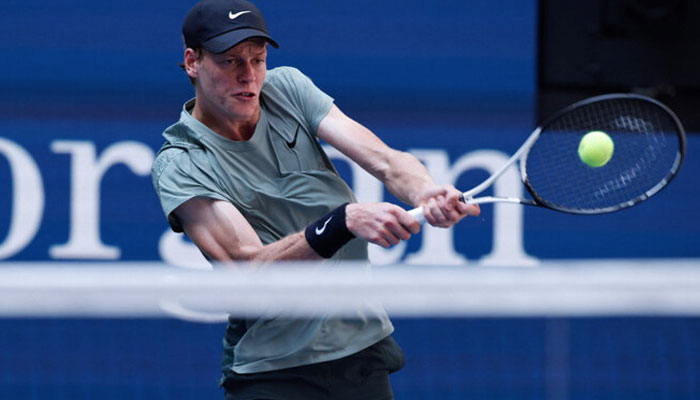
(223, 233)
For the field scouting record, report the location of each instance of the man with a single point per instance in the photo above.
(244, 176)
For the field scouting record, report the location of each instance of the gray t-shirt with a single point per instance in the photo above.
(280, 180)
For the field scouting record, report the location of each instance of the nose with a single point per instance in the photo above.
(246, 73)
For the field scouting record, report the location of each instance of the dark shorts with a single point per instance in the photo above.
(363, 375)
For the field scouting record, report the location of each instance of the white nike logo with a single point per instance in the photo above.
(232, 16)
(319, 232)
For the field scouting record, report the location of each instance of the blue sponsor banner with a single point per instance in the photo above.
(88, 88)
(81, 189)
(93, 86)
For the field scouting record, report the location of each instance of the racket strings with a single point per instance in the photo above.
(647, 143)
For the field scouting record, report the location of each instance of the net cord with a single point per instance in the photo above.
(153, 290)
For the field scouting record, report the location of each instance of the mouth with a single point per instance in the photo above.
(245, 95)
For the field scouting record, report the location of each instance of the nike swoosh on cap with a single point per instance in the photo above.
(233, 16)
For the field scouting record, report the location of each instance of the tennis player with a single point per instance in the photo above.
(242, 173)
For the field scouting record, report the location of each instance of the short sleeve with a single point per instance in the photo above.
(310, 101)
(177, 179)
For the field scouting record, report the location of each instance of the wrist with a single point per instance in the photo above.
(423, 193)
(329, 233)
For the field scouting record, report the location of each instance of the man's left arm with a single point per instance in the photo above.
(403, 174)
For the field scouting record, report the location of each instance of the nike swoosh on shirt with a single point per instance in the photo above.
(232, 16)
(294, 141)
(319, 232)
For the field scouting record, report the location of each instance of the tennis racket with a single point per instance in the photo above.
(649, 143)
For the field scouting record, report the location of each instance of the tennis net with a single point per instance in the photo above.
(589, 329)
(556, 288)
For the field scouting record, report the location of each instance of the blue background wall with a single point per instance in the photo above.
(452, 75)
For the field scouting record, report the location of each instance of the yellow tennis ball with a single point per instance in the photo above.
(596, 148)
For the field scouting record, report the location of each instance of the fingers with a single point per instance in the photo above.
(467, 209)
(445, 209)
(393, 226)
(407, 221)
(434, 213)
(383, 224)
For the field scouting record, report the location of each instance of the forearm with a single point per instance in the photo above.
(403, 174)
(224, 235)
(290, 248)
(406, 178)
(379, 223)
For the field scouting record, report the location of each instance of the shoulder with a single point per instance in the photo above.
(181, 143)
(165, 157)
(288, 84)
(284, 75)
(288, 81)
(168, 160)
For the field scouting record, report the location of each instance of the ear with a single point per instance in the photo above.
(192, 62)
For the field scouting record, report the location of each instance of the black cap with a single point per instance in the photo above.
(218, 25)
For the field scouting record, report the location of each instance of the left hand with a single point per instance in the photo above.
(442, 208)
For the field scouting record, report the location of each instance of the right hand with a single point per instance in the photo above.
(384, 224)
(442, 208)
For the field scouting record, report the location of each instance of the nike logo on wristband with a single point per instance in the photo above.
(320, 231)
(294, 141)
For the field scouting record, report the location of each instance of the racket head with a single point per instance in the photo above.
(649, 143)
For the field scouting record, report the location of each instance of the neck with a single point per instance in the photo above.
(230, 128)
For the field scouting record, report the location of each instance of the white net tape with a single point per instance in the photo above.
(556, 288)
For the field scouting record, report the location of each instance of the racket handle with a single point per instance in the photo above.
(417, 213)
